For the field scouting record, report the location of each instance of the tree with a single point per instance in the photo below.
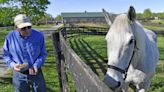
(33, 8)
(160, 15)
(147, 13)
(58, 18)
(7, 15)
(44, 19)
(140, 16)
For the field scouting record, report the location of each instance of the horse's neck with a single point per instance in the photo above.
(145, 59)
(140, 35)
(141, 42)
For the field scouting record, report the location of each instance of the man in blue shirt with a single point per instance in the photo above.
(25, 52)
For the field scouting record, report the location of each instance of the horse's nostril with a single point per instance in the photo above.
(106, 60)
(119, 84)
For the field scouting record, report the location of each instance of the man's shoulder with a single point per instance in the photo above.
(10, 33)
(37, 32)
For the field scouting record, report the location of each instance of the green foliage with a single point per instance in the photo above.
(35, 9)
(6, 84)
(147, 13)
(58, 18)
(140, 16)
(3, 1)
(3, 34)
(160, 14)
(7, 14)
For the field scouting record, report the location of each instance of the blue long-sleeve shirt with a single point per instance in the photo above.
(31, 49)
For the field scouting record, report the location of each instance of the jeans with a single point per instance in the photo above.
(25, 82)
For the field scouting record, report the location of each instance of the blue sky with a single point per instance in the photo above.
(114, 6)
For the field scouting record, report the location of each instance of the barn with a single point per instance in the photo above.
(82, 17)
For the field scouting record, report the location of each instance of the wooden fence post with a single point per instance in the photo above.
(61, 67)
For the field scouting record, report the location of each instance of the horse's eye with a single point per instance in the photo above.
(131, 41)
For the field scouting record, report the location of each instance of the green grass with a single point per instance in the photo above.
(50, 69)
(92, 51)
(93, 44)
(158, 21)
(41, 27)
(84, 45)
(5, 83)
(3, 33)
(156, 28)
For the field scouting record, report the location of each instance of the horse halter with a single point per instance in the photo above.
(126, 69)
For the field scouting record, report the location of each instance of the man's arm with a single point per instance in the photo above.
(6, 55)
(43, 54)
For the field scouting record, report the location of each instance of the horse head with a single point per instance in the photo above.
(121, 44)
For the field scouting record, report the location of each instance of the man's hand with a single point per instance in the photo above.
(36, 70)
(17, 67)
(33, 71)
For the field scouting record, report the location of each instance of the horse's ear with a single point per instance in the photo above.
(131, 13)
(108, 17)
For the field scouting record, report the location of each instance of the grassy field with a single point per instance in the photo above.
(156, 28)
(42, 27)
(49, 69)
(157, 21)
(2, 36)
(92, 50)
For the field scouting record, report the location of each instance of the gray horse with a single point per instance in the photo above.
(132, 53)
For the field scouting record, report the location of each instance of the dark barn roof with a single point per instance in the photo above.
(82, 14)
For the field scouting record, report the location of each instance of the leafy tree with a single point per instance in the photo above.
(160, 15)
(44, 19)
(147, 13)
(140, 16)
(7, 14)
(33, 8)
(58, 18)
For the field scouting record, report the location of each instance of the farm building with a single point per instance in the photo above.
(83, 17)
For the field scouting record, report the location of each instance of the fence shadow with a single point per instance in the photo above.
(5, 80)
(89, 55)
(81, 52)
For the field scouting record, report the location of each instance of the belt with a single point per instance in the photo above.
(25, 72)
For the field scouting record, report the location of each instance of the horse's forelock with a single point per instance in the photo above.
(121, 24)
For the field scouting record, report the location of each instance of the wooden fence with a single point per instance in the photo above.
(95, 31)
(159, 32)
(84, 78)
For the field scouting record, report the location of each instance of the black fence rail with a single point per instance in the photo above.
(71, 31)
(86, 30)
(159, 32)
